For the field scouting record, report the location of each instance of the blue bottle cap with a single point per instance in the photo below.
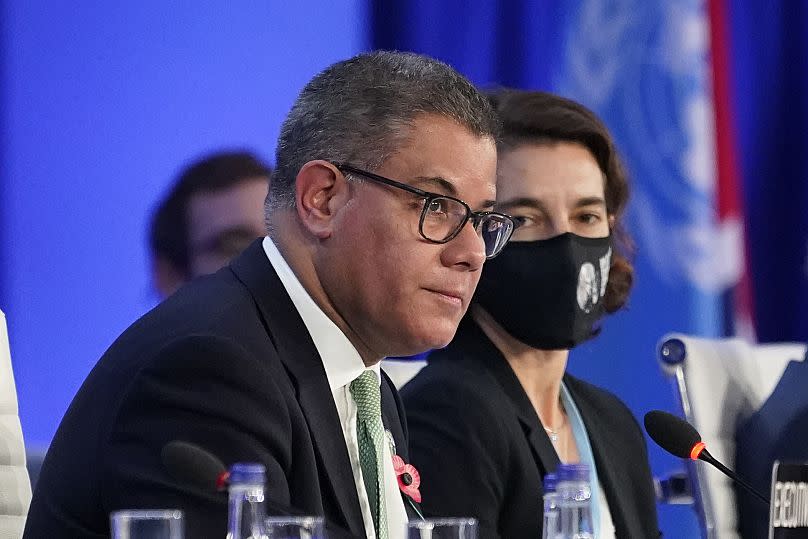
(550, 481)
(573, 472)
(248, 472)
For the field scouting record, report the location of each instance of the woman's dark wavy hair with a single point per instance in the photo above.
(532, 117)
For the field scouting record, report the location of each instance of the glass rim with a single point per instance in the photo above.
(430, 523)
(147, 514)
(292, 520)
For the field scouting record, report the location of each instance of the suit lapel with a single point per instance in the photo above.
(540, 445)
(299, 355)
(391, 417)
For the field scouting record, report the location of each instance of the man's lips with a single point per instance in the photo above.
(449, 295)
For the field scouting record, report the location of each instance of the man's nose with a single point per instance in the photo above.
(466, 249)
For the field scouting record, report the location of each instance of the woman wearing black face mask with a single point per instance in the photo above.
(494, 411)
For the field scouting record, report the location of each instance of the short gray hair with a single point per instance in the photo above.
(359, 111)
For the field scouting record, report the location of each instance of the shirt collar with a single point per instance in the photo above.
(340, 359)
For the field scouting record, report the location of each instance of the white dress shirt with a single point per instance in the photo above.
(342, 365)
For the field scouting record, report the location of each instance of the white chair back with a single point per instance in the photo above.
(402, 371)
(15, 488)
(720, 382)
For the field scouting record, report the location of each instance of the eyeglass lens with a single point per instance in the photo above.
(443, 217)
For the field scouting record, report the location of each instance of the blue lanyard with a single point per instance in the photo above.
(584, 451)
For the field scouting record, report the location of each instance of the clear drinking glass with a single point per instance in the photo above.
(442, 528)
(147, 524)
(294, 527)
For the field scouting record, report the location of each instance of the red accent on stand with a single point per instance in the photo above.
(696, 451)
(221, 481)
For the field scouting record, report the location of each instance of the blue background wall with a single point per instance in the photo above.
(102, 103)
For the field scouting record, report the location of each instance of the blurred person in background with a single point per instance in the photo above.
(778, 430)
(214, 210)
(495, 411)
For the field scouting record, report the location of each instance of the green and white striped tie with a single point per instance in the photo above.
(370, 433)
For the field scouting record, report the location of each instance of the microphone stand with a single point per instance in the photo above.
(707, 457)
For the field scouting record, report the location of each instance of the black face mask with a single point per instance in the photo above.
(548, 293)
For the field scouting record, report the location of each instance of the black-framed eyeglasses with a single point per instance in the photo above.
(443, 217)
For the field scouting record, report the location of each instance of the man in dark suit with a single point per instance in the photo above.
(274, 359)
(776, 431)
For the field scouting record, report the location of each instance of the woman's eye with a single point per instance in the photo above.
(589, 218)
(521, 220)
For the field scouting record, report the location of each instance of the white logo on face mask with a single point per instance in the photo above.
(592, 283)
(588, 287)
(605, 264)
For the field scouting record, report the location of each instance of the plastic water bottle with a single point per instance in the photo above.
(246, 513)
(574, 492)
(549, 526)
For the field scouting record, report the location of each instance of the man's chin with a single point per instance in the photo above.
(436, 339)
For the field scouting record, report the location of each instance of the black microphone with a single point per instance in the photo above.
(190, 464)
(680, 438)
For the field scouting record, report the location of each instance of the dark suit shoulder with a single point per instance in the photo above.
(447, 397)
(778, 430)
(199, 367)
(208, 390)
(613, 412)
(455, 396)
(594, 393)
(456, 377)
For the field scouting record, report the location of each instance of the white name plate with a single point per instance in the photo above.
(788, 518)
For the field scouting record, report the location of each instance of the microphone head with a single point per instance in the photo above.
(672, 433)
(192, 465)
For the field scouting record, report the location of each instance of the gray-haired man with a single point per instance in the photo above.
(378, 224)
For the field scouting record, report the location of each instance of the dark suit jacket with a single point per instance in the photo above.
(225, 363)
(777, 431)
(482, 451)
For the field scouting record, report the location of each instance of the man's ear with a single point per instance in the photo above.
(320, 191)
(610, 220)
(166, 277)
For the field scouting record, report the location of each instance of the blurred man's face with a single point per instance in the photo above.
(222, 223)
(400, 293)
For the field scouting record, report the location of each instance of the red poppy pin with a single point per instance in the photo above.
(408, 478)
